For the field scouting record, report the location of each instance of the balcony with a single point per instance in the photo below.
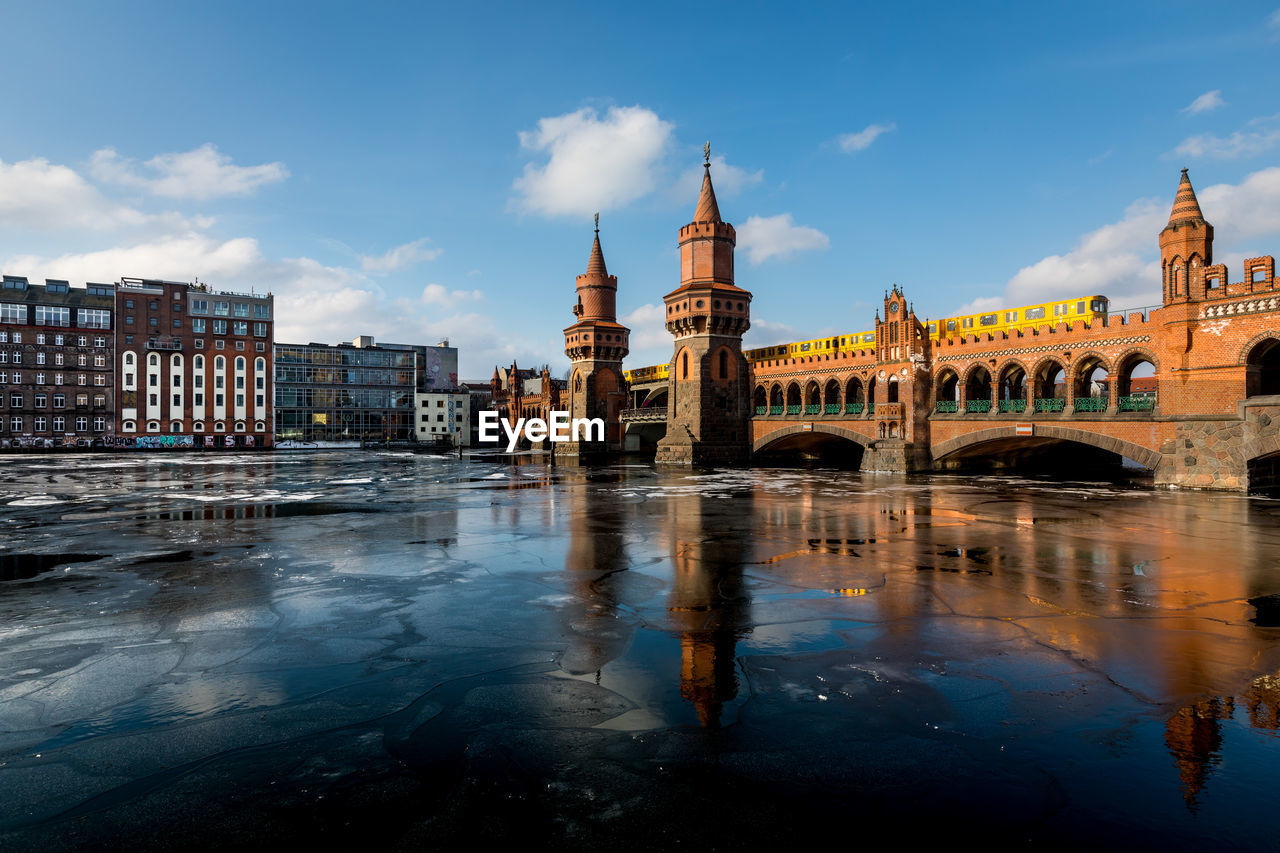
(889, 411)
(1090, 404)
(1136, 404)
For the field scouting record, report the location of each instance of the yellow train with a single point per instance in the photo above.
(1078, 309)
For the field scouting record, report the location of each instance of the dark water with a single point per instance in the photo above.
(421, 652)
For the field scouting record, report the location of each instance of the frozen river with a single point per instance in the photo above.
(419, 652)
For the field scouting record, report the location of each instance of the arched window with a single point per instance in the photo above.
(197, 427)
(239, 426)
(724, 364)
(260, 427)
(176, 362)
(198, 362)
(175, 426)
(153, 426)
(684, 365)
(219, 363)
(153, 360)
(128, 359)
(239, 362)
(260, 366)
(219, 427)
(129, 426)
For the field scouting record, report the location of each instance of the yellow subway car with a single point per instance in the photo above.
(1081, 308)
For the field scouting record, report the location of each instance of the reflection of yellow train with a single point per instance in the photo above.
(1080, 308)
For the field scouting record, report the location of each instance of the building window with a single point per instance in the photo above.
(197, 427)
(58, 379)
(40, 358)
(239, 400)
(219, 327)
(177, 380)
(58, 359)
(39, 378)
(153, 380)
(175, 426)
(128, 303)
(242, 309)
(47, 315)
(92, 318)
(239, 426)
(82, 424)
(177, 323)
(197, 326)
(99, 424)
(197, 399)
(15, 401)
(259, 330)
(240, 346)
(261, 401)
(100, 379)
(128, 426)
(222, 309)
(153, 426)
(59, 423)
(128, 319)
(40, 338)
(199, 306)
(198, 343)
(82, 379)
(153, 322)
(177, 401)
(15, 424)
(239, 379)
(259, 346)
(41, 401)
(219, 363)
(153, 399)
(40, 424)
(98, 342)
(262, 310)
(82, 401)
(99, 400)
(219, 427)
(240, 327)
(218, 381)
(218, 401)
(59, 401)
(219, 344)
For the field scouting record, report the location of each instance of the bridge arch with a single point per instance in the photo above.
(1083, 370)
(1011, 379)
(1126, 363)
(764, 441)
(1144, 456)
(1044, 375)
(946, 385)
(1261, 359)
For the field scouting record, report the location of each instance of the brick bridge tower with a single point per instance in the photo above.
(1186, 247)
(596, 345)
(709, 389)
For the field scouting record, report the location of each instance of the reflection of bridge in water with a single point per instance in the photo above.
(1189, 390)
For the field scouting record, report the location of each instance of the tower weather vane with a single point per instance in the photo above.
(706, 153)
(597, 222)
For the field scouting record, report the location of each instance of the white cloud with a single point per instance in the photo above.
(853, 142)
(42, 196)
(729, 181)
(764, 237)
(978, 306)
(1204, 103)
(594, 163)
(1259, 135)
(201, 173)
(1273, 24)
(1121, 260)
(648, 325)
(764, 333)
(438, 294)
(400, 257)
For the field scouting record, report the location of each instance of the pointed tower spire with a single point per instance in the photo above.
(1186, 207)
(708, 210)
(595, 265)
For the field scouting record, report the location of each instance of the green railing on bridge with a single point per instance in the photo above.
(1051, 404)
(1091, 404)
(854, 408)
(793, 410)
(1136, 404)
(762, 410)
(945, 406)
(812, 408)
(979, 406)
(775, 410)
(831, 409)
(1018, 405)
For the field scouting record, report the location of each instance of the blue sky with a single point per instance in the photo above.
(415, 172)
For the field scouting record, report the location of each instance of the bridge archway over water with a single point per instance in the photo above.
(1003, 443)
(824, 442)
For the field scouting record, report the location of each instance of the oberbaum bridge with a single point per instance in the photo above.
(949, 395)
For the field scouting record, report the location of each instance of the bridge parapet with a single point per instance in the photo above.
(651, 415)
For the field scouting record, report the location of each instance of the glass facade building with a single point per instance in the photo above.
(353, 391)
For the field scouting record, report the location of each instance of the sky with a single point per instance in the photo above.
(426, 171)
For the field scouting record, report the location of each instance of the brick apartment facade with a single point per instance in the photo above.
(194, 366)
(56, 348)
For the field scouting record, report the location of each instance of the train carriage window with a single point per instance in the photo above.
(951, 325)
(1079, 307)
(1034, 313)
(933, 328)
(988, 319)
(804, 347)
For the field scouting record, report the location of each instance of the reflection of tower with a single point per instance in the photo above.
(708, 602)
(709, 388)
(594, 567)
(1194, 737)
(596, 345)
